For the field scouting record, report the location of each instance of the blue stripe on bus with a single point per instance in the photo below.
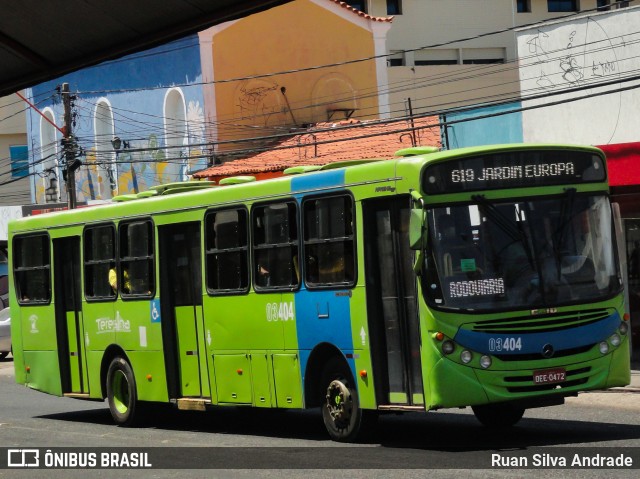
(322, 179)
(322, 316)
(531, 343)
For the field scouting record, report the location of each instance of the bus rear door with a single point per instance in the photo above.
(181, 300)
(68, 312)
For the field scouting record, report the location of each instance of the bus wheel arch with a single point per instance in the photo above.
(319, 357)
(119, 386)
(330, 385)
(342, 415)
(109, 354)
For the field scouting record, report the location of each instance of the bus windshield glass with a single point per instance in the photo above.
(522, 254)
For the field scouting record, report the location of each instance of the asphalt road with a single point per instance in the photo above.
(271, 443)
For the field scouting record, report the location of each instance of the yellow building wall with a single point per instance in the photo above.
(294, 36)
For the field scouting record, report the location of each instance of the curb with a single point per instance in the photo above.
(626, 389)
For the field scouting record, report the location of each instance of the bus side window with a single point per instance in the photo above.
(136, 275)
(32, 268)
(100, 276)
(328, 241)
(227, 251)
(275, 246)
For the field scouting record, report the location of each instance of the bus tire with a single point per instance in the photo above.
(343, 418)
(498, 416)
(121, 392)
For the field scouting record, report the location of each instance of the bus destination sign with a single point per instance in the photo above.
(513, 170)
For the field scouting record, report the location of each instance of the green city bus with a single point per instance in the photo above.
(484, 277)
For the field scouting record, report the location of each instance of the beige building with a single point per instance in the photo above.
(429, 65)
(14, 170)
(294, 38)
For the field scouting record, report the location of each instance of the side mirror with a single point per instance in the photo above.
(416, 228)
(417, 225)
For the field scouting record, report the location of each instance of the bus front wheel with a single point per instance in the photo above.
(121, 392)
(343, 418)
(498, 415)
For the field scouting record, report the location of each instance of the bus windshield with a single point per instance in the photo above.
(522, 254)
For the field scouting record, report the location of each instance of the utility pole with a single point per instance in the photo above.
(69, 146)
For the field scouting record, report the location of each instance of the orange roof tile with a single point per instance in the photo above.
(332, 142)
(361, 13)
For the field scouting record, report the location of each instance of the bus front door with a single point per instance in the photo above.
(68, 313)
(181, 307)
(391, 302)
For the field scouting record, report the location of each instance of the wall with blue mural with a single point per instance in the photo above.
(492, 126)
(152, 101)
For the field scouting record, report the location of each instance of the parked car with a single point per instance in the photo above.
(5, 333)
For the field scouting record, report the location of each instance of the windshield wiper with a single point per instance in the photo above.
(515, 233)
(563, 225)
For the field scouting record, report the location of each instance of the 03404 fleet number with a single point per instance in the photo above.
(280, 311)
(505, 344)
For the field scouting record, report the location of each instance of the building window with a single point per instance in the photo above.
(394, 7)
(32, 268)
(136, 276)
(227, 251)
(100, 276)
(329, 257)
(358, 5)
(19, 161)
(562, 5)
(523, 6)
(482, 56)
(437, 56)
(395, 62)
(435, 62)
(604, 5)
(482, 61)
(275, 246)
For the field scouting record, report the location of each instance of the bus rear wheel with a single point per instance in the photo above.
(343, 418)
(498, 416)
(121, 392)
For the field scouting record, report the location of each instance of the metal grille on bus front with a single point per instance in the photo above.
(535, 356)
(539, 324)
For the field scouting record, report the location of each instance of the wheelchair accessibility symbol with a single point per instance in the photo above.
(155, 311)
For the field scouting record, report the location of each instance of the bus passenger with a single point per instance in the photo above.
(113, 281)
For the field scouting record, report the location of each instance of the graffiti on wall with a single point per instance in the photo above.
(259, 102)
(583, 60)
(571, 56)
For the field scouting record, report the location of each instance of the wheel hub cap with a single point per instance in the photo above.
(339, 401)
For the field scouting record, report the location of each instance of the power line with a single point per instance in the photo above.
(288, 134)
(353, 61)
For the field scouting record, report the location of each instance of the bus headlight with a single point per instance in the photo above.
(604, 347)
(485, 361)
(466, 356)
(448, 347)
(624, 328)
(615, 340)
